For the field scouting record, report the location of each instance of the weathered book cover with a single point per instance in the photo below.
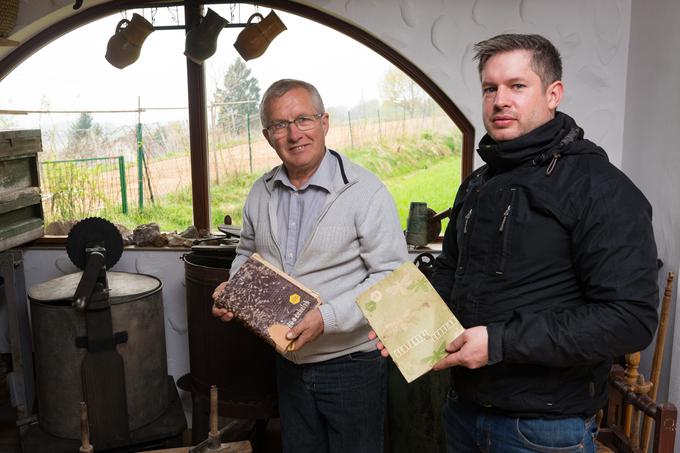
(268, 301)
(411, 320)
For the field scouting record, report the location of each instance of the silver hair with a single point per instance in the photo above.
(283, 86)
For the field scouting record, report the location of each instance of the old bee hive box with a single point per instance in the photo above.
(21, 213)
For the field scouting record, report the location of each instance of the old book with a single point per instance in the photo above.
(268, 301)
(411, 320)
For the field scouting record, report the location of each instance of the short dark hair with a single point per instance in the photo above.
(283, 86)
(545, 59)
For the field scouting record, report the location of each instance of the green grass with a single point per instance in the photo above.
(423, 168)
(436, 186)
(174, 212)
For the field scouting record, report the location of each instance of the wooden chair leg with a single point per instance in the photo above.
(658, 355)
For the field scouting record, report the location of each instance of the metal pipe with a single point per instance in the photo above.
(214, 434)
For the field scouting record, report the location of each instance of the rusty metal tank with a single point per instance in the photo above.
(58, 331)
(224, 354)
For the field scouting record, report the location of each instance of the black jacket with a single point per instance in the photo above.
(551, 247)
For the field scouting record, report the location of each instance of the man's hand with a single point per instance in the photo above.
(383, 350)
(219, 289)
(470, 349)
(221, 313)
(309, 329)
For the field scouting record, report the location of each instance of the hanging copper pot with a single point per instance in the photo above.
(256, 37)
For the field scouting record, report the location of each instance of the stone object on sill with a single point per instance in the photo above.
(59, 228)
(190, 233)
(63, 227)
(161, 240)
(176, 240)
(127, 240)
(125, 233)
(147, 234)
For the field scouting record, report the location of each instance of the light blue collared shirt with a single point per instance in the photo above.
(298, 209)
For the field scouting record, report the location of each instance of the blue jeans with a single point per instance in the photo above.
(336, 406)
(471, 428)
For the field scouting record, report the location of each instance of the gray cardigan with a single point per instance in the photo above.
(356, 241)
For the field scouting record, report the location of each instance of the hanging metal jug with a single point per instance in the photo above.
(125, 45)
(201, 41)
(255, 38)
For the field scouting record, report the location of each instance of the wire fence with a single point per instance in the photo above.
(77, 188)
(104, 168)
(236, 151)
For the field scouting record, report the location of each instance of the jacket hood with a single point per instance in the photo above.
(542, 146)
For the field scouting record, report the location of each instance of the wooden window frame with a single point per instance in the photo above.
(196, 79)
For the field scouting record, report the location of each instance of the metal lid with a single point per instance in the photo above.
(124, 287)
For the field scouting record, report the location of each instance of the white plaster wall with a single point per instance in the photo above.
(437, 35)
(650, 155)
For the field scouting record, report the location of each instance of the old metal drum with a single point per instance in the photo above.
(225, 354)
(136, 308)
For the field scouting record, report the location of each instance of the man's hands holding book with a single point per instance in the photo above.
(307, 330)
(218, 312)
(381, 347)
(469, 349)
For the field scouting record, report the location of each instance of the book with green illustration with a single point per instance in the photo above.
(267, 301)
(411, 320)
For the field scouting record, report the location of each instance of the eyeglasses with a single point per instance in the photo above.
(303, 123)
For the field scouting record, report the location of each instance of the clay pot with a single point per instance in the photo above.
(126, 44)
(255, 38)
(201, 41)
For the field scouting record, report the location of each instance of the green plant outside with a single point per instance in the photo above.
(422, 168)
(75, 190)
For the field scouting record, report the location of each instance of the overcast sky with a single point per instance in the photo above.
(71, 73)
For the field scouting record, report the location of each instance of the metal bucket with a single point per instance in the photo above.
(136, 308)
(225, 354)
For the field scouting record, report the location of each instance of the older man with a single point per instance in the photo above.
(333, 226)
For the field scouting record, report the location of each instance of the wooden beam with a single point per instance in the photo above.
(198, 131)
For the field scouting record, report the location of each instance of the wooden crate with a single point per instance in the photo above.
(21, 212)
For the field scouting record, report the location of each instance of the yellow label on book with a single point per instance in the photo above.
(411, 320)
(294, 299)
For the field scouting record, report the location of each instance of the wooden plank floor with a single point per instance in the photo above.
(9, 435)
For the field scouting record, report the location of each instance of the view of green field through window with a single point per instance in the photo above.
(116, 142)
